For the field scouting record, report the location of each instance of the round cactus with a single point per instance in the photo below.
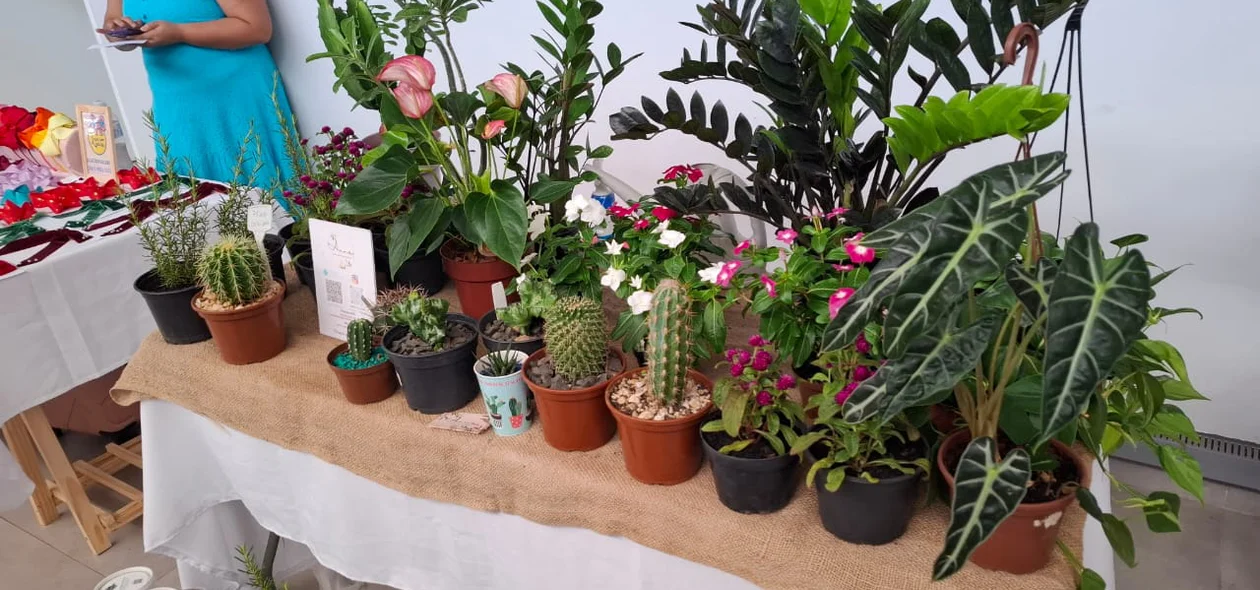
(575, 338)
(359, 337)
(235, 271)
(669, 342)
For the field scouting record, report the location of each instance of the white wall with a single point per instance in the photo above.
(1172, 144)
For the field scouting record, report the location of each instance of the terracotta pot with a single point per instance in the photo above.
(474, 279)
(1025, 541)
(250, 335)
(661, 452)
(945, 419)
(577, 419)
(364, 386)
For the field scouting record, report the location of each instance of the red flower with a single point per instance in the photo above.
(642, 224)
(664, 213)
(620, 212)
(691, 172)
(14, 120)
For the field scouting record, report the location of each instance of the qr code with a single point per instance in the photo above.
(333, 289)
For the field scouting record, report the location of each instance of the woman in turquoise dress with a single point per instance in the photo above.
(212, 76)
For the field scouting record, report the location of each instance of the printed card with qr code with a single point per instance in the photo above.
(345, 275)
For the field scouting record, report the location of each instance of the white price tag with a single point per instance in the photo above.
(260, 219)
(498, 295)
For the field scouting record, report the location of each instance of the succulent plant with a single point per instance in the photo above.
(537, 296)
(500, 364)
(359, 337)
(383, 309)
(424, 316)
(235, 271)
(669, 342)
(576, 339)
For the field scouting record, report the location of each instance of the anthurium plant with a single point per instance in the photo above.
(756, 400)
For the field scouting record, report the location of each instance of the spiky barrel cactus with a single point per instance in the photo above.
(669, 342)
(576, 340)
(359, 337)
(235, 271)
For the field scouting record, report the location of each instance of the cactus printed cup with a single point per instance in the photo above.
(507, 399)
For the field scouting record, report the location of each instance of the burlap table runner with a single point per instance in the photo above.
(293, 401)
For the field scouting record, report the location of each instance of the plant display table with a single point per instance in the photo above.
(357, 523)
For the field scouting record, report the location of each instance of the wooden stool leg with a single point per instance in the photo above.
(23, 450)
(71, 491)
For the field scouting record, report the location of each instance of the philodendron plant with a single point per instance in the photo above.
(946, 327)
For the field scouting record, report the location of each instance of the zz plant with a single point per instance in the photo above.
(1069, 322)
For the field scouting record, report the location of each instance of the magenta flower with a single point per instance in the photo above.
(764, 398)
(761, 360)
(858, 253)
(837, 212)
(727, 273)
(743, 357)
(325, 129)
(787, 236)
(642, 224)
(737, 370)
(862, 372)
(846, 392)
(785, 382)
(664, 213)
(756, 340)
(862, 345)
(843, 267)
(770, 285)
(676, 172)
(730, 354)
(837, 300)
(620, 212)
(744, 245)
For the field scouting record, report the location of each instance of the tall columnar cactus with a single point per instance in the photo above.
(359, 337)
(669, 342)
(576, 339)
(235, 271)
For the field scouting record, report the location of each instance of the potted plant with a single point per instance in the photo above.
(519, 326)
(659, 408)
(433, 352)
(748, 442)
(362, 368)
(242, 192)
(241, 302)
(868, 475)
(569, 376)
(946, 324)
(503, 390)
(173, 240)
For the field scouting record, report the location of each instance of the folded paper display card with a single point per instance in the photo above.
(462, 422)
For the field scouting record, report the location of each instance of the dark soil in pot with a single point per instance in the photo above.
(753, 480)
(172, 310)
(542, 372)
(573, 417)
(496, 335)
(871, 513)
(439, 381)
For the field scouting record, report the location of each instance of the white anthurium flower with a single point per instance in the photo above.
(671, 238)
(614, 247)
(636, 282)
(640, 302)
(710, 275)
(613, 278)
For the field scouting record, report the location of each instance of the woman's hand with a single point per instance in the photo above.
(160, 33)
(114, 22)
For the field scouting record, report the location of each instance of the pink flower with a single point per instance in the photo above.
(756, 340)
(730, 354)
(744, 245)
(620, 212)
(415, 76)
(493, 128)
(743, 357)
(837, 212)
(675, 172)
(413, 102)
(862, 372)
(787, 236)
(727, 273)
(642, 224)
(764, 398)
(664, 213)
(837, 300)
(858, 253)
(785, 382)
(770, 286)
(761, 361)
(862, 345)
(846, 392)
(843, 267)
(737, 370)
(511, 87)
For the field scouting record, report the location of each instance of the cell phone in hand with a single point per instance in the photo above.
(123, 32)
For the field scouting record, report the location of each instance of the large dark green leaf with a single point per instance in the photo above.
(979, 31)
(499, 218)
(550, 191)
(408, 233)
(1094, 315)
(985, 493)
(1032, 287)
(1182, 468)
(380, 185)
(1117, 532)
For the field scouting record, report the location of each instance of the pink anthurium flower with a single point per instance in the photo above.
(412, 101)
(858, 253)
(412, 70)
(511, 87)
(493, 128)
(837, 300)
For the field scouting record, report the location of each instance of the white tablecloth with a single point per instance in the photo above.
(209, 488)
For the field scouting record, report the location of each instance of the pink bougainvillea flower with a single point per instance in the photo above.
(744, 245)
(844, 394)
(837, 300)
(785, 382)
(764, 398)
(761, 361)
(410, 70)
(787, 236)
(858, 253)
(727, 273)
(770, 285)
(862, 345)
(843, 267)
(511, 87)
(664, 213)
(837, 212)
(642, 224)
(412, 101)
(862, 372)
(683, 170)
(756, 340)
(493, 128)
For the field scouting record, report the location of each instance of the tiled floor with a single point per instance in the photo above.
(1216, 549)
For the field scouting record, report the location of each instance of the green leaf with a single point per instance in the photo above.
(1163, 512)
(1032, 287)
(733, 408)
(1116, 531)
(979, 32)
(1090, 580)
(738, 445)
(985, 494)
(1179, 391)
(1094, 315)
(602, 151)
(500, 219)
(408, 233)
(1182, 468)
(546, 192)
(1130, 240)
(1164, 354)
(379, 186)
(460, 107)
(712, 426)
(714, 322)
(805, 441)
(835, 478)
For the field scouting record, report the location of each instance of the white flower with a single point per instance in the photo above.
(636, 282)
(671, 238)
(521, 280)
(584, 208)
(710, 275)
(661, 227)
(614, 247)
(613, 278)
(528, 259)
(640, 302)
(537, 220)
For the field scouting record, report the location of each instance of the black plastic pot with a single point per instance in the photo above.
(438, 382)
(423, 271)
(274, 246)
(305, 268)
(294, 247)
(172, 310)
(753, 486)
(492, 345)
(868, 513)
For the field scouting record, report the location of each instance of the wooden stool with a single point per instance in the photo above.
(31, 440)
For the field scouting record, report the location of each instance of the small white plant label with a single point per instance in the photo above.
(499, 295)
(259, 220)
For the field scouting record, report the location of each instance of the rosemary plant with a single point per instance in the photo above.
(175, 236)
(233, 212)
